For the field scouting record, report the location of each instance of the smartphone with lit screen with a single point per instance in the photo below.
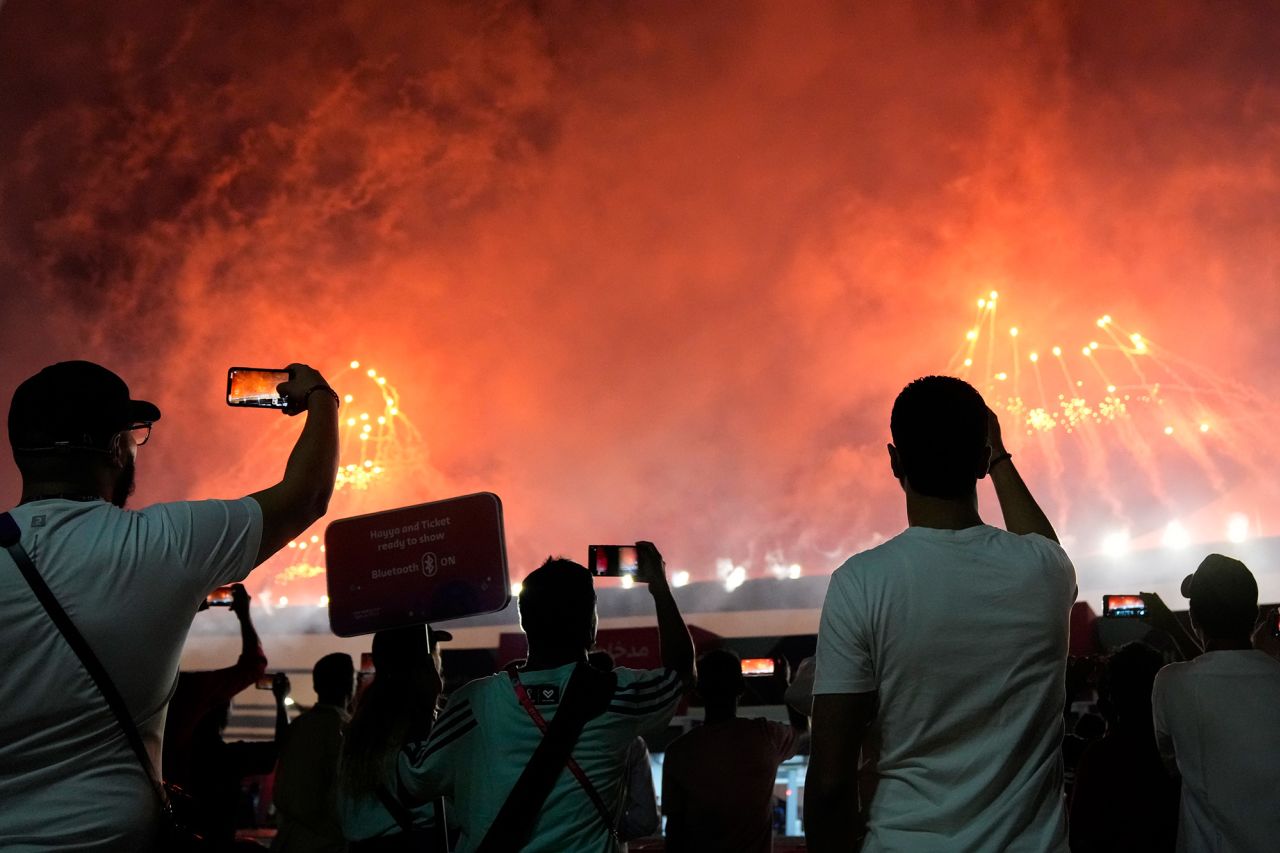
(266, 681)
(614, 561)
(757, 666)
(255, 387)
(221, 597)
(1130, 606)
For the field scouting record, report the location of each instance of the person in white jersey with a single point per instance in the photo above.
(130, 581)
(486, 735)
(942, 655)
(1217, 718)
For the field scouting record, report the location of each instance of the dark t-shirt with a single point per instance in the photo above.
(1123, 797)
(717, 785)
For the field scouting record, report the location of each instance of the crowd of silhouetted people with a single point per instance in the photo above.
(941, 710)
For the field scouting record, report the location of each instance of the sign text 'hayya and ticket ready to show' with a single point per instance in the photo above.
(418, 564)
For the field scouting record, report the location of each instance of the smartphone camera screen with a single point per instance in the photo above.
(757, 666)
(613, 561)
(1123, 605)
(255, 387)
(221, 597)
(265, 682)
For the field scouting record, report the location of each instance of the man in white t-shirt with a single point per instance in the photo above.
(1217, 719)
(130, 581)
(485, 737)
(942, 655)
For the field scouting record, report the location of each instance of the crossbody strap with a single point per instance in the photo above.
(10, 538)
(574, 767)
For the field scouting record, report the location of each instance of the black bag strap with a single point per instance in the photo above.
(10, 538)
(586, 696)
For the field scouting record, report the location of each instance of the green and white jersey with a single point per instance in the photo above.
(484, 738)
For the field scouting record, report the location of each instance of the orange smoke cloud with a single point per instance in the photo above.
(644, 270)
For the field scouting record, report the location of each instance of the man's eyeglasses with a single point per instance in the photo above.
(141, 433)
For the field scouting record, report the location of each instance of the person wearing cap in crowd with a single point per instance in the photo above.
(1217, 718)
(130, 581)
(403, 697)
(307, 766)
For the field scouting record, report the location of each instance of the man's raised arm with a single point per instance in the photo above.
(673, 634)
(1022, 514)
(302, 496)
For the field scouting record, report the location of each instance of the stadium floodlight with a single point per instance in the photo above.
(1176, 536)
(1116, 544)
(1237, 527)
(680, 578)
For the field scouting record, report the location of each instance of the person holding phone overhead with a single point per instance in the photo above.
(78, 769)
(536, 757)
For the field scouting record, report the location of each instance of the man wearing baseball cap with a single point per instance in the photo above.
(1217, 718)
(129, 582)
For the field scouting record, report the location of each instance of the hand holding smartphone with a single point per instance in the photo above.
(614, 561)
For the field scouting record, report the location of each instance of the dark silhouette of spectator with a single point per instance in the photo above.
(307, 767)
(1123, 800)
(718, 779)
(131, 581)
(947, 645)
(219, 767)
(1217, 718)
(198, 693)
(488, 732)
(402, 697)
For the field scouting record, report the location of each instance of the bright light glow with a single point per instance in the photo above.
(968, 362)
(293, 544)
(1035, 356)
(288, 700)
(1086, 351)
(283, 602)
(982, 303)
(1238, 527)
(1057, 351)
(1111, 389)
(1014, 331)
(355, 365)
(364, 416)
(371, 373)
(1116, 544)
(1168, 430)
(315, 538)
(351, 421)
(628, 581)
(795, 572)
(1175, 536)
(516, 586)
(971, 335)
(348, 398)
(382, 380)
(1204, 427)
(1093, 344)
(1002, 376)
(736, 578)
(302, 546)
(323, 602)
(1104, 321)
(994, 295)
(680, 578)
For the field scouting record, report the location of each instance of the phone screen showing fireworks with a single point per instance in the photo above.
(416, 565)
(757, 666)
(255, 387)
(1123, 605)
(221, 597)
(614, 561)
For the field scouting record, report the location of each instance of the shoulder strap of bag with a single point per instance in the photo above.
(10, 539)
(574, 767)
(586, 696)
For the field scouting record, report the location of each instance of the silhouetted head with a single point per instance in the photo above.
(334, 679)
(74, 428)
(1224, 598)
(939, 427)
(558, 608)
(720, 677)
(1124, 690)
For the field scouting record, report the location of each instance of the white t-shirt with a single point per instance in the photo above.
(963, 635)
(1218, 717)
(483, 739)
(131, 582)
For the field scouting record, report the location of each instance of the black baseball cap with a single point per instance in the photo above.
(1222, 581)
(74, 404)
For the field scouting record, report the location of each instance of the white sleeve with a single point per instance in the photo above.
(215, 541)
(844, 661)
(1159, 717)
